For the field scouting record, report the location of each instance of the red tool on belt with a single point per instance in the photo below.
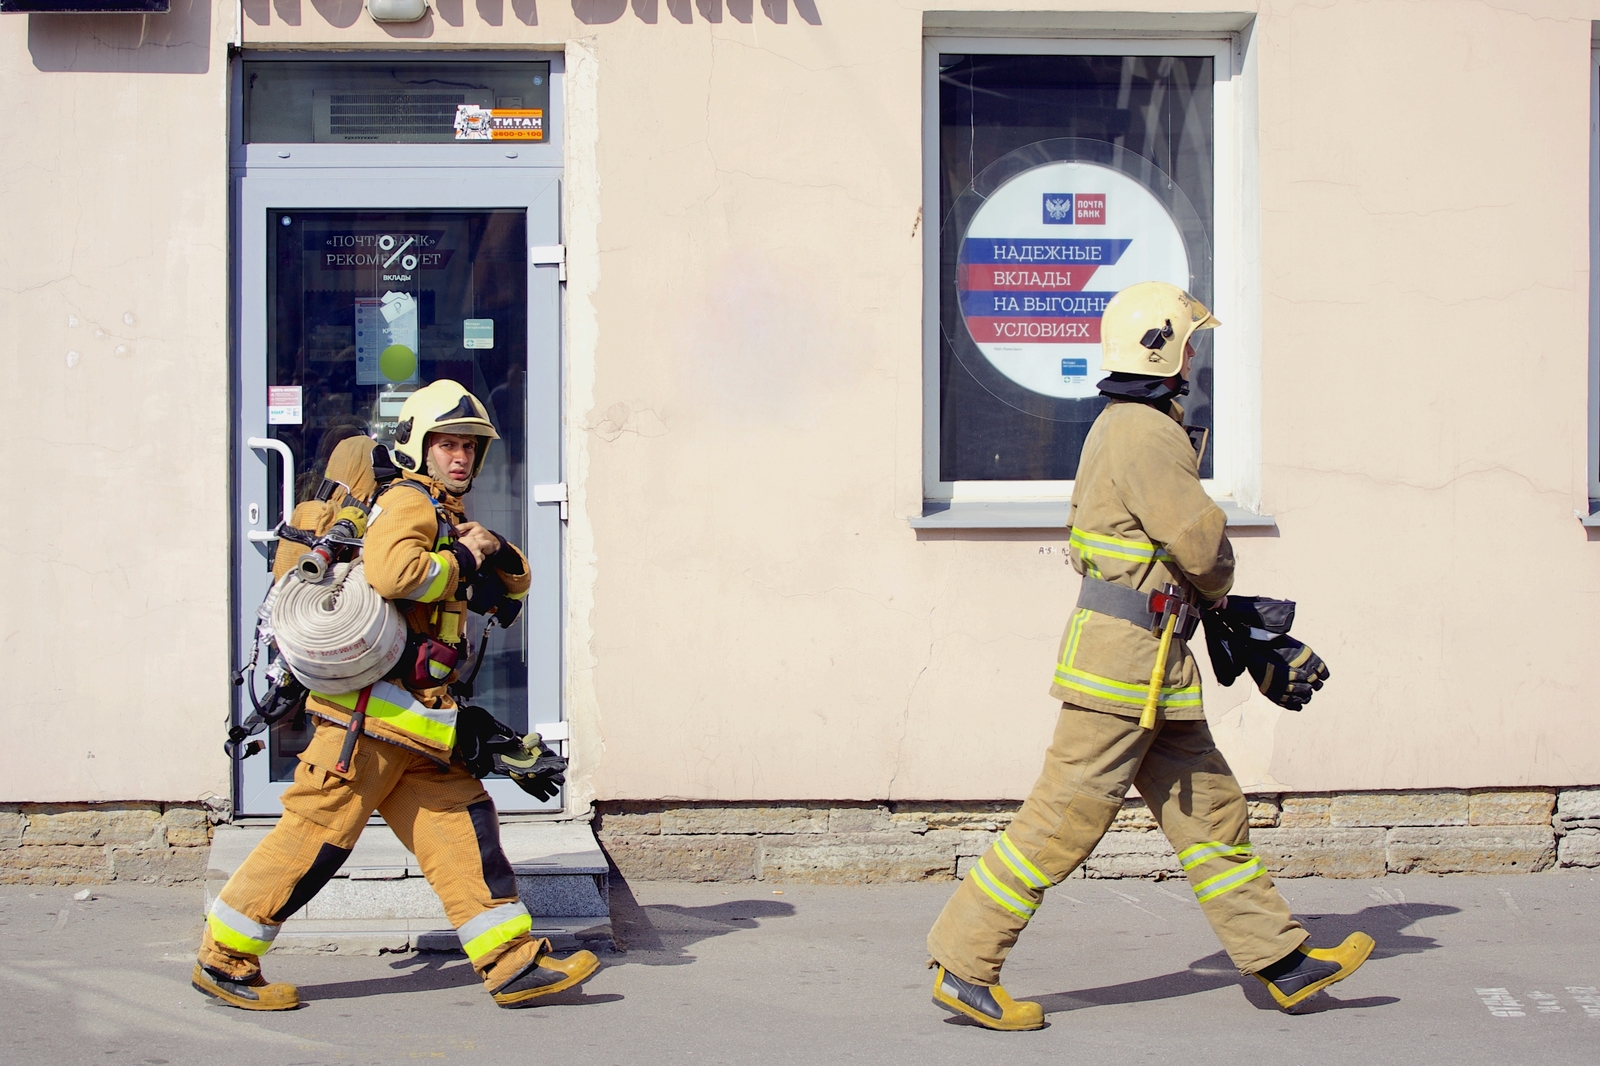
(357, 720)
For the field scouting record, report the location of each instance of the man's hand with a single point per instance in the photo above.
(477, 540)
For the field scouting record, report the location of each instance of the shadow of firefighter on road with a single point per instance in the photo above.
(1384, 923)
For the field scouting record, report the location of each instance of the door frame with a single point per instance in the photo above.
(498, 175)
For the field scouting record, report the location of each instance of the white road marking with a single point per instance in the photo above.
(1501, 1003)
(1511, 904)
(1546, 1003)
(1132, 901)
(1587, 997)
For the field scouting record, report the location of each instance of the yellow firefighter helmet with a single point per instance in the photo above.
(445, 406)
(1145, 327)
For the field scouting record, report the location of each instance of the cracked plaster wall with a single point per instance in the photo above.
(750, 615)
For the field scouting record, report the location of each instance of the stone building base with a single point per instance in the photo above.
(1328, 834)
(96, 843)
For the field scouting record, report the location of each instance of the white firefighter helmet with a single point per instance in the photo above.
(1145, 327)
(444, 406)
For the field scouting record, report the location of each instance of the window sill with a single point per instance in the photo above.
(1052, 514)
(1590, 521)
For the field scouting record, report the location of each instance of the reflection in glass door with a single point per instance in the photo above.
(365, 308)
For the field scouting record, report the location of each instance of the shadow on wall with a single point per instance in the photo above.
(178, 42)
(599, 12)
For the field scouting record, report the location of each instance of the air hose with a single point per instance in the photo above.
(337, 635)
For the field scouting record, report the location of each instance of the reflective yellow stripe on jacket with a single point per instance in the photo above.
(433, 583)
(1068, 675)
(1089, 545)
(400, 710)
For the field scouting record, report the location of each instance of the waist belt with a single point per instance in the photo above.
(1131, 605)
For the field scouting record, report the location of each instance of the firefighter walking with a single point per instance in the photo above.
(1140, 524)
(395, 746)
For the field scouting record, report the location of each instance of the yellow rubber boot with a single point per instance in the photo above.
(1303, 973)
(256, 993)
(545, 976)
(988, 1005)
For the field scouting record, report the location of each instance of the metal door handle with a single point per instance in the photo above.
(262, 536)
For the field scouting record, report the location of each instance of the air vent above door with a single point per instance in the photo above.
(390, 116)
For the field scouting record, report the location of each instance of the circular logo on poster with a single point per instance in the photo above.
(1043, 255)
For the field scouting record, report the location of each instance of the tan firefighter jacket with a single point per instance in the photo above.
(408, 561)
(1139, 518)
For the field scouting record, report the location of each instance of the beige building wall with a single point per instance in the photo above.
(751, 615)
(114, 352)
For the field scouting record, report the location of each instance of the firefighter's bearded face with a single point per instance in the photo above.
(450, 459)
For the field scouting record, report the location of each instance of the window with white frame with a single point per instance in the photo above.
(1063, 171)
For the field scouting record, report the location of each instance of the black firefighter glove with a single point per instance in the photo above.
(1232, 629)
(1225, 643)
(536, 769)
(478, 734)
(1286, 671)
(489, 746)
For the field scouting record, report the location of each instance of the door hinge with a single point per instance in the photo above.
(556, 493)
(550, 255)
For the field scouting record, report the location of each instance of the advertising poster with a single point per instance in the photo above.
(1043, 255)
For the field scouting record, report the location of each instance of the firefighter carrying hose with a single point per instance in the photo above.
(395, 745)
(1153, 552)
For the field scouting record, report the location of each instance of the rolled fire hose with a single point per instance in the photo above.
(337, 636)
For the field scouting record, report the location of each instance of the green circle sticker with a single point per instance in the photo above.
(397, 362)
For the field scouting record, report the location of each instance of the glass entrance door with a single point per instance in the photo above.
(352, 298)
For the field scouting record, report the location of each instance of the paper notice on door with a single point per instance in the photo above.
(477, 333)
(386, 339)
(283, 405)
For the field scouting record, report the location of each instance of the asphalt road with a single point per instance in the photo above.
(1492, 970)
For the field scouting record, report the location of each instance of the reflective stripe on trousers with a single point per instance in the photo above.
(494, 927)
(1011, 858)
(1231, 877)
(403, 711)
(234, 930)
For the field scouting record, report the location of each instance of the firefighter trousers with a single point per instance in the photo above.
(443, 817)
(1193, 798)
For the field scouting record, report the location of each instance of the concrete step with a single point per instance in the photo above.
(380, 902)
